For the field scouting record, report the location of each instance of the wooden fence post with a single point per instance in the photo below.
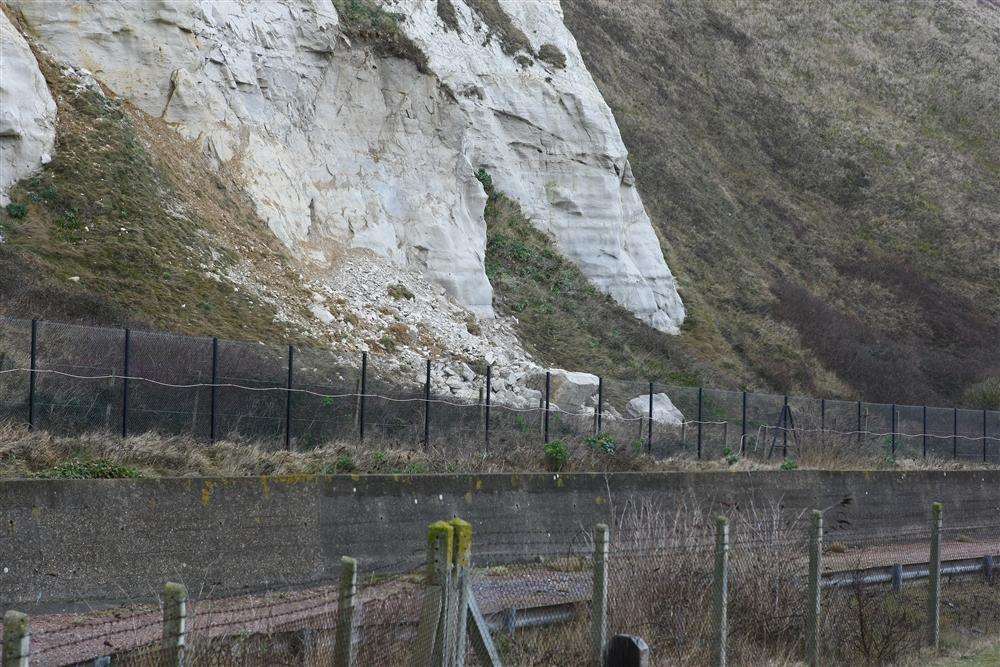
(175, 598)
(599, 602)
(461, 558)
(934, 585)
(16, 640)
(814, 604)
(343, 649)
(720, 591)
(429, 649)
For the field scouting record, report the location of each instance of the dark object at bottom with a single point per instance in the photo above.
(627, 651)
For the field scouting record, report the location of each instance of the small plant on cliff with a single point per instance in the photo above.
(603, 442)
(556, 454)
(399, 291)
(551, 54)
(16, 210)
(731, 457)
(484, 177)
(789, 464)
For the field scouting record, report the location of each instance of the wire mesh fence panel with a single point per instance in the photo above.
(387, 622)
(155, 403)
(15, 357)
(876, 424)
(970, 587)
(764, 426)
(79, 386)
(250, 398)
(394, 404)
(993, 436)
(517, 410)
(458, 414)
(971, 444)
(910, 431)
(722, 424)
(325, 402)
(941, 423)
(684, 436)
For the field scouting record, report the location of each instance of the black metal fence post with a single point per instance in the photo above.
(822, 414)
(743, 424)
(288, 400)
(859, 422)
(893, 435)
(701, 393)
(31, 375)
(489, 399)
(548, 389)
(125, 372)
(954, 434)
(649, 437)
(984, 436)
(925, 431)
(427, 404)
(600, 404)
(784, 421)
(361, 396)
(213, 397)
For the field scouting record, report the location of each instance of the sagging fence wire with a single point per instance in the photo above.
(658, 579)
(70, 379)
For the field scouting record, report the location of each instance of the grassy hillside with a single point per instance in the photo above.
(130, 222)
(826, 179)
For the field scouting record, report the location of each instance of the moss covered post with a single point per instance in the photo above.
(175, 598)
(431, 648)
(599, 602)
(461, 559)
(343, 650)
(934, 581)
(813, 604)
(16, 639)
(720, 592)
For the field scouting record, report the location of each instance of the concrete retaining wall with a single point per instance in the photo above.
(66, 541)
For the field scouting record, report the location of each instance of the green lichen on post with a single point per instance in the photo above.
(16, 640)
(440, 539)
(462, 531)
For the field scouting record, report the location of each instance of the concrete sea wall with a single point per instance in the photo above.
(76, 541)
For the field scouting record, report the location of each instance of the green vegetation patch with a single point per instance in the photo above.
(368, 22)
(562, 318)
(512, 39)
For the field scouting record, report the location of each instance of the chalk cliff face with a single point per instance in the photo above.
(340, 146)
(27, 111)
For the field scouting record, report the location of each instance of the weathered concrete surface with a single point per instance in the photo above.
(64, 541)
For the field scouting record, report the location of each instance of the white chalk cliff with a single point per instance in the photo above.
(27, 111)
(340, 146)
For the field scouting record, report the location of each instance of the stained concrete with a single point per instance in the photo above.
(66, 542)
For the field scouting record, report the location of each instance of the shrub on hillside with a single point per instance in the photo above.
(983, 395)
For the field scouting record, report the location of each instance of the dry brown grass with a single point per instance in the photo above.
(840, 153)
(42, 454)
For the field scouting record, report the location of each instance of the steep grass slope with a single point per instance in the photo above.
(826, 179)
(130, 223)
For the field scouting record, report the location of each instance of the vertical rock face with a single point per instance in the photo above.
(341, 147)
(27, 111)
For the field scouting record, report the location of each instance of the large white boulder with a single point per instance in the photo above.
(664, 411)
(571, 390)
(338, 145)
(27, 111)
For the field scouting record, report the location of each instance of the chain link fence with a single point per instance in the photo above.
(71, 379)
(556, 596)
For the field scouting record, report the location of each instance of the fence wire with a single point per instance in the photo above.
(277, 397)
